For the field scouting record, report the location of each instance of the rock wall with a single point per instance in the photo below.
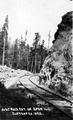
(58, 65)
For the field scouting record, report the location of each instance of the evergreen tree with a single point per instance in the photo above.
(4, 42)
(35, 51)
(15, 55)
(1, 46)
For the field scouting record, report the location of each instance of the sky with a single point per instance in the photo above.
(41, 16)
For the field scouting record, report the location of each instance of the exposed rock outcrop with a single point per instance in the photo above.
(58, 66)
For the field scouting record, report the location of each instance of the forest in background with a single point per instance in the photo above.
(20, 55)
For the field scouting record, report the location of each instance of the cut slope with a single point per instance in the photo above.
(58, 66)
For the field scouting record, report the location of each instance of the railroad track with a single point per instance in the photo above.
(48, 90)
(47, 101)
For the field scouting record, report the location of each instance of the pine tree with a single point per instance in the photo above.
(1, 46)
(4, 42)
(35, 51)
(15, 55)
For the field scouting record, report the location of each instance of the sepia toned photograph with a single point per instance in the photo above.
(36, 59)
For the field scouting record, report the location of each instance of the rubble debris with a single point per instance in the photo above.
(9, 75)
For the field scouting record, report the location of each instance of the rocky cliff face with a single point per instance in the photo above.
(58, 66)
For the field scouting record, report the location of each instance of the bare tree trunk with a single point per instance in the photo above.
(27, 64)
(3, 59)
(35, 62)
(32, 66)
(39, 64)
(48, 40)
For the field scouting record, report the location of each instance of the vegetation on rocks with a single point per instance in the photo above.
(58, 66)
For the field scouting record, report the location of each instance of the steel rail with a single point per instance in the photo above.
(46, 100)
(50, 91)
